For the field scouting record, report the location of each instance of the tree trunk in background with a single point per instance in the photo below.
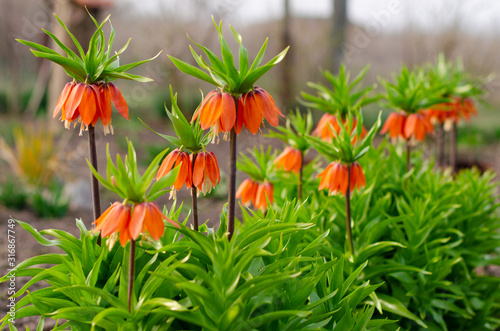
(286, 67)
(81, 25)
(339, 27)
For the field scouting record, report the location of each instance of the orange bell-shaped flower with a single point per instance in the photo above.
(395, 125)
(466, 108)
(247, 191)
(335, 177)
(206, 172)
(147, 217)
(88, 103)
(174, 159)
(265, 190)
(217, 109)
(417, 126)
(289, 160)
(253, 107)
(115, 219)
(328, 121)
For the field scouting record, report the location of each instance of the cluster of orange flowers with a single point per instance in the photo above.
(204, 174)
(413, 126)
(88, 103)
(218, 110)
(289, 160)
(328, 121)
(129, 223)
(335, 177)
(451, 112)
(251, 191)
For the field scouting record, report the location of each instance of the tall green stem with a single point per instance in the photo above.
(194, 197)
(131, 273)
(232, 177)
(350, 241)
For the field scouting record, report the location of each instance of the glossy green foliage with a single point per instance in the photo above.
(222, 72)
(344, 95)
(424, 234)
(97, 65)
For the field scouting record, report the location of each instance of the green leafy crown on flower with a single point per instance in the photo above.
(298, 126)
(260, 167)
(189, 135)
(344, 95)
(124, 178)
(345, 145)
(411, 91)
(97, 65)
(222, 72)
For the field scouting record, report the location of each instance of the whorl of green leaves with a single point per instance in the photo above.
(260, 168)
(452, 79)
(124, 178)
(97, 65)
(222, 72)
(297, 127)
(341, 148)
(189, 135)
(342, 97)
(412, 92)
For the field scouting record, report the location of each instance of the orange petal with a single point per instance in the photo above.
(410, 124)
(212, 169)
(137, 220)
(211, 111)
(63, 97)
(105, 104)
(154, 221)
(199, 170)
(183, 175)
(73, 101)
(203, 103)
(343, 178)
(228, 115)
(167, 163)
(118, 100)
(266, 107)
(276, 109)
(88, 105)
(103, 216)
(239, 117)
(252, 115)
(124, 237)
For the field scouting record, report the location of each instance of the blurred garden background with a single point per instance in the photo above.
(39, 158)
(41, 163)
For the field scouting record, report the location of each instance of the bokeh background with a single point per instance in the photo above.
(44, 176)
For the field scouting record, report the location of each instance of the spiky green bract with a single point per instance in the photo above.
(259, 166)
(412, 92)
(97, 65)
(189, 135)
(222, 72)
(451, 79)
(342, 97)
(345, 146)
(124, 178)
(298, 126)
